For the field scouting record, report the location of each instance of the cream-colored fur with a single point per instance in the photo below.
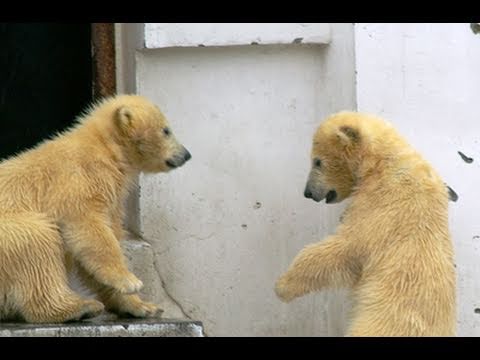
(393, 247)
(62, 207)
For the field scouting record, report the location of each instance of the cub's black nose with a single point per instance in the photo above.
(307, 193)
(187, 156)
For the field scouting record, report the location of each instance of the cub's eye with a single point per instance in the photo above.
(317, 163)
(166, 131)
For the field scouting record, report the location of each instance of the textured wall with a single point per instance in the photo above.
(226, 225)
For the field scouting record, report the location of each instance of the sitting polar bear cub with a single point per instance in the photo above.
(393, 246)
(61, 208)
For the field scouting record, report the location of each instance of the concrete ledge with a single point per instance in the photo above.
(165, 35)
(107, 327)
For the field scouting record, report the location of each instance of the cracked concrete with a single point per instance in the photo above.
(201, 238)
(142, 263)
(166, 290)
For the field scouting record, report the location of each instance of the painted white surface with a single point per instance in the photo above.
(229, 222)
(425, 78)
(128, 38)
(162, 35)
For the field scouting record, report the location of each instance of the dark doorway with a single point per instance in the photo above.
(45, 81)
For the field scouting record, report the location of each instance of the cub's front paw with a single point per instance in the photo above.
(143, 310)
(130, 284)
(286, 289)
(125, 283)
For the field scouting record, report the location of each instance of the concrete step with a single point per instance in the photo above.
(107, 326)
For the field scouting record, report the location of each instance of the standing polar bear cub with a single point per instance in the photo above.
(393, 247)
(61, 208)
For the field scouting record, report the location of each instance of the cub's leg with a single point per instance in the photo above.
(34, 278)
(116, 302)
(325, 264)
(92, 242)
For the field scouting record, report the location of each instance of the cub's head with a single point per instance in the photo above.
(336, 151)
(346, 147)
(147, 136)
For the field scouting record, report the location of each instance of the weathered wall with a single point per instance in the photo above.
(226, 225)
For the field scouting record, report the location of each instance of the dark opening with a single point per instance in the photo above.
(45, 81)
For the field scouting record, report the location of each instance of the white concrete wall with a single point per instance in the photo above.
(425, 78)
(247, 114)
(128, 38)
(226, 225)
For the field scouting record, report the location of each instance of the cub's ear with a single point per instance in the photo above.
(123, 117)
(348, 135)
